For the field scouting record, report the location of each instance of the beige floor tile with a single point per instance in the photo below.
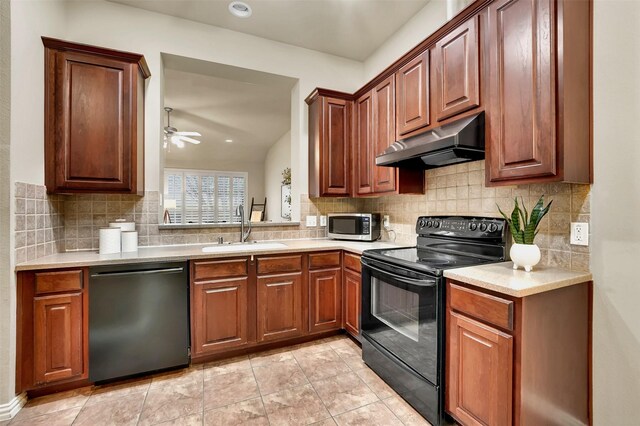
(268, 357)
(327, 422)
(110, 392)
(171, 399)
(55, 402)
(56, 418)
(250, 412)
(296, 406)
(320, 365)
(354, 362)
(369, 415)
(347, 350)
(345, 343)
(192, 374)
(278, 376)
(117, 412)
(225, 389)
(405, 412)
(312, 347)
(375, 383)
(226, 366)
(192, 420)
(343, 393)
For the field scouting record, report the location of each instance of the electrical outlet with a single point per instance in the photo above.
(386, 223)
(579, 234)
(323, 220)
(311, 221)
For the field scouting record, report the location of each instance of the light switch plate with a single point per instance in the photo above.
(386, 224)
(323, 220)
(311, 221)
(579, 234)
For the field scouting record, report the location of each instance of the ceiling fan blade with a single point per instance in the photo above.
(187, 134)
(187, 139)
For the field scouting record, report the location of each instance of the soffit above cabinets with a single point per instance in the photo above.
(347, 28)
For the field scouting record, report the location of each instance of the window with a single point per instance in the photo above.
(204, 197)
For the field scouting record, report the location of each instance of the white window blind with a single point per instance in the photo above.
(205, 197)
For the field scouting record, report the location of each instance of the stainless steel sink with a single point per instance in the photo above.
(251, 246)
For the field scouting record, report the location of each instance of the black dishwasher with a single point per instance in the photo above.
(138, 319)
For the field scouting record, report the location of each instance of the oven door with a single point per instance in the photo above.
(399, 313)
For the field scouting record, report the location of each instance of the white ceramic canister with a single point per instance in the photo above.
(123, 224)
(129, 241)
(110, 240)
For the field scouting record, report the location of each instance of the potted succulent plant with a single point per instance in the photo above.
(524, 230)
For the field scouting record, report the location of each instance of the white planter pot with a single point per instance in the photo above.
(525, 255)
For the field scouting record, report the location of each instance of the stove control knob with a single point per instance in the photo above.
(436, 224)
(473, 226)
(429, 223)
(483, 227)
(422, 223)
(493, 227)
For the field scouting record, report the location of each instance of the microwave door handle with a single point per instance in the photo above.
(412, 281)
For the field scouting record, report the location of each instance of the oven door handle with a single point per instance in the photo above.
(412, 281)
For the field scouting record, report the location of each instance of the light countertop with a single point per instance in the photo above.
(502, 278)
(188, 252)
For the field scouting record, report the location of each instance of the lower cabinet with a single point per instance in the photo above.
(53, 330)
(219, 314)
(518, 360)
(279, 306)
(325, 300)
(351, 294)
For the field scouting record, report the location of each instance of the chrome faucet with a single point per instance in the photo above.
(243, 235)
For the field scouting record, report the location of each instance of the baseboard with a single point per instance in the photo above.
(11, 408)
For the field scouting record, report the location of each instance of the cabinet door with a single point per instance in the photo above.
(352, 296)
(412, 95)
(522, 90)
(479, 366)
(363, 157)
(219, 310)
(94, 118)
(384, 178)
(279, 306)
(58, 345)
(335, 147)
(325, 300)
(457, 64)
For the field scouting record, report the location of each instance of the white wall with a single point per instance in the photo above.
(278, 158)
(615, 198)
(29, 20)
(424, 23)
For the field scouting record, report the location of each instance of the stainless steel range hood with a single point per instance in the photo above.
(457, 142)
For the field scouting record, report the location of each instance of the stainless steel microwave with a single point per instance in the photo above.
(354, 226)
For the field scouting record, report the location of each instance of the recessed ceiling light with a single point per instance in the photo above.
(228, 140)
(240, 9)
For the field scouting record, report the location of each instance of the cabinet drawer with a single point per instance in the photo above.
(219, 268)
(352, 261)
(58, 281)
(269, 265)
(324, 260)
(485, 307)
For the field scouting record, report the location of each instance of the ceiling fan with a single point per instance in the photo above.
(171, 134)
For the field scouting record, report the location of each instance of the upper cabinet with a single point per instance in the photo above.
(329, 144)
(94, 119)
(539, 121)
(456, 58)
(384, 121)
(363, 157)
(412, 96)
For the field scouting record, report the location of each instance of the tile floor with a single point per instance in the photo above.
(323, 382)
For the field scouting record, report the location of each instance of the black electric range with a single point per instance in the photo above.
(403, 303)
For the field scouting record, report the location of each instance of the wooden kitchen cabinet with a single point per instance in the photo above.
(412, 96)
(384, 134)
(220, 305)
(280, 306)
(539, 112)
(329, 144)
(363, 157)
(53, 329)
(456, 60)
(94, 119)
(518, 360)
(351, 294)
(325, 291)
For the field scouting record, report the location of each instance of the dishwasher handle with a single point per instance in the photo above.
(142, 272)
